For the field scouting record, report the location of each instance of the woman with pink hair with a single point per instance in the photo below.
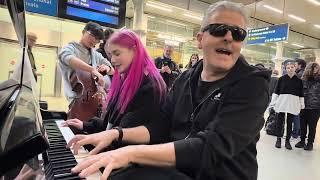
(134, 99)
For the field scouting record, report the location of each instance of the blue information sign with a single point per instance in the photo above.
(274, 33)
(46, 7)
(110, 13)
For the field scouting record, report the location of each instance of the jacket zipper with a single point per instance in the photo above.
(194, 111)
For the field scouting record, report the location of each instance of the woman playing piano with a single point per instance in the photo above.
(134, 100)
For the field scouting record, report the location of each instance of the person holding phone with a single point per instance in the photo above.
(167, 67)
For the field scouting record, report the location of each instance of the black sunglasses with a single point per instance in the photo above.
(220, 30)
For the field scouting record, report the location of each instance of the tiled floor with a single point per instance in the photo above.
(283, 164)
(274, 164)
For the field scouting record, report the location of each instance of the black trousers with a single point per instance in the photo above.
(309, 119)
(280, 121)
(136, 172)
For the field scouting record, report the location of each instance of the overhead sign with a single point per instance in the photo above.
(267, 34)
(46, 7)
(105, 12)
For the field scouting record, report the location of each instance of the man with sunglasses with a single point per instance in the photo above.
(211, 118)
(82, 55)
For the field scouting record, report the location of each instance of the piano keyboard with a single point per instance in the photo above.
(58, 160)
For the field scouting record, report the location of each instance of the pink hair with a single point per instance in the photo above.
(123, 90)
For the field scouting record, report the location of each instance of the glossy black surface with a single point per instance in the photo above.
(22, 136)
(21, 131)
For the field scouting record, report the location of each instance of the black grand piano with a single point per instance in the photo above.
(26, 129)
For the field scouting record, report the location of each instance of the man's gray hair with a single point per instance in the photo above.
(224, 5)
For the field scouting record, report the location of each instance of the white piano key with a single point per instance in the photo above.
(82, 153)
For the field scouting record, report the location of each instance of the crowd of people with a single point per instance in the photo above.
(296, 94)
(202, 123)
(161, 123)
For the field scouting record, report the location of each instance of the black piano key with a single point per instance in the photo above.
(60, 159)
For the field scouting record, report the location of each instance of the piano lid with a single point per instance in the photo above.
(23, 70)
(21, 131)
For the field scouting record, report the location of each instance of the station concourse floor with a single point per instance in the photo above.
(274, 164)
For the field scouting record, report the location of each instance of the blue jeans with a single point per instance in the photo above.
(296, 126)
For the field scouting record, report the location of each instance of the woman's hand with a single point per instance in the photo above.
(74, 123)
(109, 160)
(99, 140)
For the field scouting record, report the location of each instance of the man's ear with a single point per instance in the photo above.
(199, 39)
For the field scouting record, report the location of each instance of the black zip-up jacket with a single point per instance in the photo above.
(217, 139)
(144, 109)
(311, 89)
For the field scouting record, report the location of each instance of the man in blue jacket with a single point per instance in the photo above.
(211, 119)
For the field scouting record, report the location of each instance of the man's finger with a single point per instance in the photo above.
(96, 150)
(80, 143)
(107, 171)
(84, 164)
(92, 168)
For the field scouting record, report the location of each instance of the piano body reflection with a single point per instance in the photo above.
(32, 141)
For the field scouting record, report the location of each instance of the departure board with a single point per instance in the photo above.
(110, 13)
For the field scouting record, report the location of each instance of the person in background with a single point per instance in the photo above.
(310, 115)
(300, 66)
(211, 119)
(32, 39)
(193, 60)
(273, 82)
(287, 99)
(167, 67)
(82, 55)
(134, 100)
(107, 33)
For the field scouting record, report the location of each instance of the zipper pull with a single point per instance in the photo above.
(192, 117)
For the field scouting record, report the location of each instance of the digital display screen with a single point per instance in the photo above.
(268, 34)
(110, 13)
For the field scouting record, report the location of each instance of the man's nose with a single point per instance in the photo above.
(228, 36)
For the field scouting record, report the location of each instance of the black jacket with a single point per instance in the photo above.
(168, 78)
(217, 139)
(144, 109)
(311, 90)
(273, 84)
(299, 73)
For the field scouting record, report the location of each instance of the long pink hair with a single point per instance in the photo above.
(124, 88)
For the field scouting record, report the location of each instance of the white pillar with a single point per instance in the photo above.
(140, 20)
(317, 54)
(279, 57)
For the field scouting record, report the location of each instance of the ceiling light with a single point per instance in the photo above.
(297, 45)
(164, 36)
(297, 18)
(157, 6)
(273, 9)
(152, 17)
(171, 42)
(177, 23)
(317, 26)
(179, 39)
(315, 2)
(193, 16)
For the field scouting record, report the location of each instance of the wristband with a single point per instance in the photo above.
(120, 134)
